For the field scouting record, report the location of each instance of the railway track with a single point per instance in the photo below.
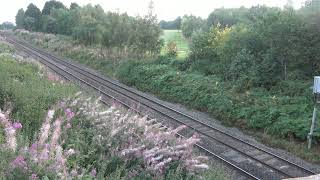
(250, 160)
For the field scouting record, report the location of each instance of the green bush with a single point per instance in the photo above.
(172, 50)
(4, 48)
(284, 110)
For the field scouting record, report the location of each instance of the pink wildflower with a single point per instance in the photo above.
(17, 125)
(2, 116)
(70, 152)
(19, 162)
(68, 112)
(56, 134)
(45, 129)
(44, 155)
(11, 138)
(34, 176)
(62, 104)
(68, 126)
(94, 172)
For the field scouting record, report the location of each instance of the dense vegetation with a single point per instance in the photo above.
(24, 89)
(171, 25)
(7, 26)
(46, 132)
(254, 68)
(115, 33)
(250, 67)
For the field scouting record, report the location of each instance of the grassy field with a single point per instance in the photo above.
(177, 37)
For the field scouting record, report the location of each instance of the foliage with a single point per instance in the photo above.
(191, 24)
(227, 17)
(116, 33)
(146, 151)
(6, 26)
(50, 5)
(91, 56)
(31, 96)
(254, 73)
(172, 50)
(171, 25)
(281, 42)
(242, 69)
(20, 19)
(74, 6)
(80, 138)
(276, 112)
(32, 18)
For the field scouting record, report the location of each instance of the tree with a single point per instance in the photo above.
(227, 17)
(20, 18)
(89, 29)
(175, 24)
(7, 25)
(74, 6)
(49, 24)
(52, 4)
(66, 20)
(32, 21)
(313, 4)
(191, 24)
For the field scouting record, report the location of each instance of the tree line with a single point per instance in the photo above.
(90, 25)
(257, 46)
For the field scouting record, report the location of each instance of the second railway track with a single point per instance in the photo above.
(251, 160)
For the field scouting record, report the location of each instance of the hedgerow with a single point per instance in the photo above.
(277, 112)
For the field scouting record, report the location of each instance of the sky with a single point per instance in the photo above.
(165, 9)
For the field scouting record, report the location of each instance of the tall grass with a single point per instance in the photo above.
(25, 87)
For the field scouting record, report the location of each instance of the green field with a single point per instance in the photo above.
(177, 37)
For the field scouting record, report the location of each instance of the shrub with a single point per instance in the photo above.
(172, 50)
(242, 70)
(273, 111)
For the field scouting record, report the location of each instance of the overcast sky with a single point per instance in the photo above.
(165, 9)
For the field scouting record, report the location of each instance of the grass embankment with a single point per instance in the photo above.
(90, 56)
(181, 42)
(279, 116)
(27, 94)
(24, 87)
(79, 138)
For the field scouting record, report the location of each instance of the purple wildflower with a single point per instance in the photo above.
(33, 149)
(68, 126)
(17, 125)
(19, 162)
(62, 104)
(68, 112)
(34, 176)
(94, 172)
